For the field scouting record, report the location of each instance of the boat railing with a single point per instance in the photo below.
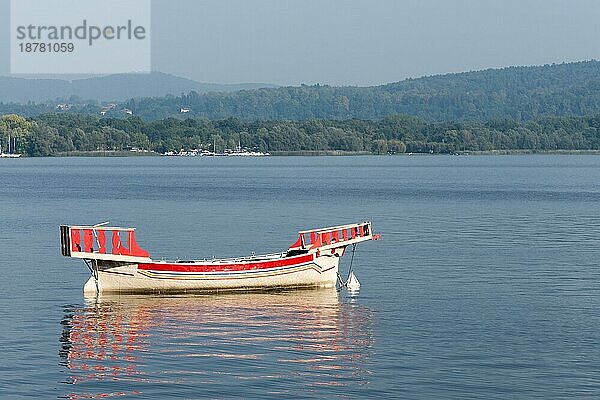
(334, 237)
(90, 242)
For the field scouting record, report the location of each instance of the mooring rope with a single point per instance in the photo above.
(351, 262)
(339, 284)
(339, 278)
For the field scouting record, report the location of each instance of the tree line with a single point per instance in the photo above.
(56, 133)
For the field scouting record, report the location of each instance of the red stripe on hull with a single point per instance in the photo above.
(283, 262)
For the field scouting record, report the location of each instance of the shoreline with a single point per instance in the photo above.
(106, 153)
(527, 152)
(336, 153)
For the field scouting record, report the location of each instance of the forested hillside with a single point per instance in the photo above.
(518, 93)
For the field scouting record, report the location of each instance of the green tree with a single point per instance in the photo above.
(379, 146)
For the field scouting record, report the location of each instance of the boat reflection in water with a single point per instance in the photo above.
(243, 345)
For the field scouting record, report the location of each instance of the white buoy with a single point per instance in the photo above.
(352, 283)
(90, 289)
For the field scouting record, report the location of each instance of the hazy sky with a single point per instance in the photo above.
(359, 42)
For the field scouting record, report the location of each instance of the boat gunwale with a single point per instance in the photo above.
(243, 259)
(249, 260)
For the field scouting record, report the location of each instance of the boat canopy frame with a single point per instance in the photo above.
(333, 237)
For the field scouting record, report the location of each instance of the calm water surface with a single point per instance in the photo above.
(484, 285)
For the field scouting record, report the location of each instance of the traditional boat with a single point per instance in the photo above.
(117, 266)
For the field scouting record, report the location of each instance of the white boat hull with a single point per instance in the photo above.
(320, 272)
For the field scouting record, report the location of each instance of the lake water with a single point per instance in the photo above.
(485, 284)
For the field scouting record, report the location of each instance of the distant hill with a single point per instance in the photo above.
(107, 88)
(519, 93)
(18, 90)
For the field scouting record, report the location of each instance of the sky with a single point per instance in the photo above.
(358, 42)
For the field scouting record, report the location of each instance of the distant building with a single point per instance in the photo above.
(127, 111)
(107, 108)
